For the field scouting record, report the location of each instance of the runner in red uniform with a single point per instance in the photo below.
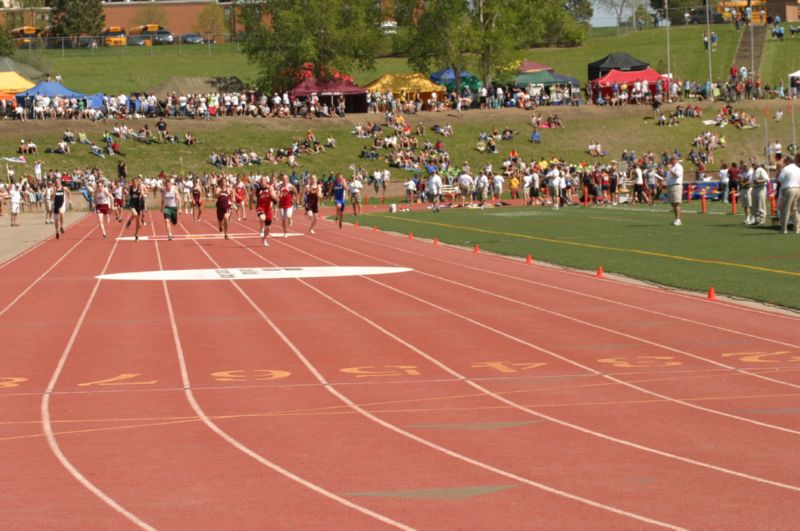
(240, 197)
(197, 200)
(313, 195)
(224, 194)
(286, 195)
(266, 195)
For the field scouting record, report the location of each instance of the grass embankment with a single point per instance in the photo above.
(136, 69)
(708, 250)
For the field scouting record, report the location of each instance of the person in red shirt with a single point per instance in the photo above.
(286, 193)
(266, 195)
(224, 194)
(240, 200)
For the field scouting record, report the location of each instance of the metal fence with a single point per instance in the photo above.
(160, 44)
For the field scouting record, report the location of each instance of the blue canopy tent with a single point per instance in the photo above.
(50, 89)
(95, 101)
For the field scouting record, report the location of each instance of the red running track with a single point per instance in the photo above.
(473, 392)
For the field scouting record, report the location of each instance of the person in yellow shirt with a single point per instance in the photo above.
(514, 185)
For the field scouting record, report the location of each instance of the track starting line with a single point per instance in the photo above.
(255, 273)
(210, 236)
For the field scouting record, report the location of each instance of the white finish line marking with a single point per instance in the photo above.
(211, 236)
(255, 273)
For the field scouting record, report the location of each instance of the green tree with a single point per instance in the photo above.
(581, 10)
(338, 34)
(151, 14)
(211, 19)
(442, 36)
(72, 18)
(6, 42)
(498, 31)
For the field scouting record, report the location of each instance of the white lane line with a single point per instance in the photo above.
(601, 435)
(330, 387)
(47, 425)
(590, 324)
(235, 442)
(49, 269)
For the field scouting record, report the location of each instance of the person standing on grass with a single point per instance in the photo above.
(465, 186)
(355, 194)
(435, 190)
(339, 198)
(760, 182)
(313, 194)
(674, 183)
(170, 206)
(60, 202)
(102, 202)
(265, 197)
(15, 197)
(411, 190)
(286, 194)
(746, 192)
(789, 201)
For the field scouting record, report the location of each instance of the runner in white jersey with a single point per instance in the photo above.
(118, 193)
(102, 203)
(170, 206)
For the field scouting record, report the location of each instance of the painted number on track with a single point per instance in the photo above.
(256, 375)
(763, 357)
(120, 379)
(370, 371)
(7, 382)
(640, 362)
(506, 367)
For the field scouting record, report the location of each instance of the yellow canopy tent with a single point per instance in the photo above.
(11, 82)
(406, 85)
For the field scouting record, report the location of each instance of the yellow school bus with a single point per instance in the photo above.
(144, 29)
(26, 36)
(729, 8)
(114, 36)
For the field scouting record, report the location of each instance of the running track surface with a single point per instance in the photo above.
(473, 392)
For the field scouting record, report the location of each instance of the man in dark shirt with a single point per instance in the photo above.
(161, 126)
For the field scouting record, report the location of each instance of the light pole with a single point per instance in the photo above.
(666, 13)
(708, 41)
(752, 53)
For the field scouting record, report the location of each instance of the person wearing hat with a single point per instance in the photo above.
(760, 182)
(674, 183)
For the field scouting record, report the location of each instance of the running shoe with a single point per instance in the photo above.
(266, 243)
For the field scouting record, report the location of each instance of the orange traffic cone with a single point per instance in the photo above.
(436, 242)
(374, 228)
(600, 272)
(529, 260)
(357, 225)
(477, 249)
(410, 235)
(712, 295)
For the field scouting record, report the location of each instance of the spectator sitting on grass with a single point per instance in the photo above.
(83, 139)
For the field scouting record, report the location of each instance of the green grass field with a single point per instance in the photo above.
(712, 249)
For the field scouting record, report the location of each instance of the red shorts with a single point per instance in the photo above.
(117, 202)
(102, 209)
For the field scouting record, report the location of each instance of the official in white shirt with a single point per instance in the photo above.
(675, 187)
(789, 179)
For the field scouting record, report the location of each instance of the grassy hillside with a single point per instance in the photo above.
(133, 69)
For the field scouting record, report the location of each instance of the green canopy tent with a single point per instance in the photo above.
(468, 81)
(542, 77)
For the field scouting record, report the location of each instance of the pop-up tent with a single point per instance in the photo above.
(355, 98)
(406, 85)
(615, 61)
(12, 83)
(605, 84)
(50, 89)
(544, 77)
(7, 64)
(447, 77)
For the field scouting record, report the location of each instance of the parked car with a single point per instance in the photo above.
(139, 40)
(160, 37)
(195, 38)
(88, 42)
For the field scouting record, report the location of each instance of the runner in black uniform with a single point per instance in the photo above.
(60, 201)
(136, 202)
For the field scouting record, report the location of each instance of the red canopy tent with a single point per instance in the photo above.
(355, 98)
(603, 85)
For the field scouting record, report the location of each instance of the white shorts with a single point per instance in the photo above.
(15, 208)
(286, 213)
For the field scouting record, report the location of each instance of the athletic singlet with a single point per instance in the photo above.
(58, 199)
(338, 192)
(239, 193)
(264, 200)
(196, 195)
(312, 197)
(285, 196)
(118, 193)
(135, 196)
(101, 196)
(171, 199)
(223, 201)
